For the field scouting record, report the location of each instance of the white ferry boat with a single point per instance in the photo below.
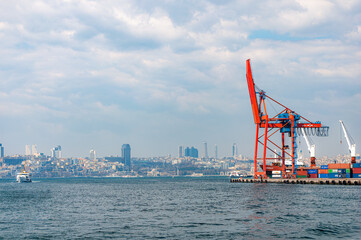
(23, 177)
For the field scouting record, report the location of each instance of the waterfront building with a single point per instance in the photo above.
(126, 157)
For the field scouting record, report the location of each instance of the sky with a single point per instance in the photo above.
(159, 74)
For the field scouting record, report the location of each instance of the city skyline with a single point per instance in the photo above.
(88, 75)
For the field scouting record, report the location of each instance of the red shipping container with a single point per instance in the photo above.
(313, 175)
(338, 165)
(302, 173)
(356, 170)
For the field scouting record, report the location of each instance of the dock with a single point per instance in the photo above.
(326, 181)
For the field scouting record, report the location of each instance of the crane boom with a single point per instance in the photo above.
(351, 144)
(311, 148)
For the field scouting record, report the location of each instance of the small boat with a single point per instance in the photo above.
(23, 177)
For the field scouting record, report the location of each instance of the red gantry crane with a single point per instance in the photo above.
(286, 121)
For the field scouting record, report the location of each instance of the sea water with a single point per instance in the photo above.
(176, 208)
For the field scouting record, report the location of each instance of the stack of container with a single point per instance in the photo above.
(339, 170)
(356, 170)
(301, 173)
(323, 172)
(312, 173)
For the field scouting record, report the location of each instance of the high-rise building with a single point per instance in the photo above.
(56, 152)
(205, 150)
(216, 151)
(191, 152)
(92, 154)
(34, 150)
(27, 150)
(234, 150)
(1, 151)
(126, 157)
(194, 152)
(180, 151)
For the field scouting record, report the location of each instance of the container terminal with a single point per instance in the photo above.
(288, 124)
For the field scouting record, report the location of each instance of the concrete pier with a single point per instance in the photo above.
(327, 181)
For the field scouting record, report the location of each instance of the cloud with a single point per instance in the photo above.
(124, 70)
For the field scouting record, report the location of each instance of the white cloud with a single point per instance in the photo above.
(99, 66)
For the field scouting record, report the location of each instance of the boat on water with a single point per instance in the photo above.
(23, 177)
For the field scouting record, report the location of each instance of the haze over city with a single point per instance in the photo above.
(156, 75)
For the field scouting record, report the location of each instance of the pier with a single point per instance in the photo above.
(326, 181)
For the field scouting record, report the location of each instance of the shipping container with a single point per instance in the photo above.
(312, 175)
(323, 175)
(338, 165)
(332, 170)
(311, 171)
(356, 170)
(356, 165)
(333, 175)
(276, 176)
(356, 175)
(341, 170)
(324, 166)
(276, 172)
(323, 171)
(305, 176)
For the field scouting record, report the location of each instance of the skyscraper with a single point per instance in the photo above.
(234, 150)
(216, 151)
(27, 150)
(92, 154)
(1, 151)
(180, 152)
(126, 157)
(205, 150)
(34, 150)
(56, 152)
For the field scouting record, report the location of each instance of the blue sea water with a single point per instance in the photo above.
(176, 208)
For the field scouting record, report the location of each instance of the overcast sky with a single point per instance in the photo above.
(159, 74)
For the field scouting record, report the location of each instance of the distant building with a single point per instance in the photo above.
(191, 152)
(56, 152)
(92, 154)
(113, 159)
(216, 151)
(126, 157)
(205, 150)
(27, 150)
(13, 160)
(2, 153)
(34, 150)
(234, 150)
(180, 151)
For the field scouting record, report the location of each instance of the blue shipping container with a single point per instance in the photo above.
(311, 171)
(356, 165)
(323, 175)
(341, 170)
(333, 175)
(356, 175)
(324, 166)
